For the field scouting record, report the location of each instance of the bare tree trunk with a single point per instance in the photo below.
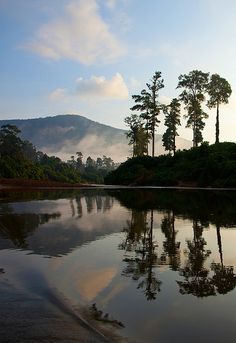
(153, 139)
(217, 123)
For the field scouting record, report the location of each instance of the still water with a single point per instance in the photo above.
(155, 265)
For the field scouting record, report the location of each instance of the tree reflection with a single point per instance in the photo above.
(196, 276)
(18, 228)
(95, 202)
(171, 253)
(224, 278)
(141, 257)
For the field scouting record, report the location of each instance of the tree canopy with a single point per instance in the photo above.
(197, 89)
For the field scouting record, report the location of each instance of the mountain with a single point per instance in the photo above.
(64, 135)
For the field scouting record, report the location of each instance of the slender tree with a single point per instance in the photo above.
(195, 86)
(148, 105)
(219, 91)
(172, 120)
(154, 87)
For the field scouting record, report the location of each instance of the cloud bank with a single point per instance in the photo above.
(97, 86)
(80, 34)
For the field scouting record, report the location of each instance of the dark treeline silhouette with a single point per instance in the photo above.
(203, 166)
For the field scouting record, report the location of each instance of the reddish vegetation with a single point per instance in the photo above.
(31, 184)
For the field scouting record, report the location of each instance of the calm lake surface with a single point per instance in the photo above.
(155, 265)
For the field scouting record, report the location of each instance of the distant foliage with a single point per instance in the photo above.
(20, 159)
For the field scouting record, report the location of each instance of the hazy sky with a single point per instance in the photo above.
(89, 56)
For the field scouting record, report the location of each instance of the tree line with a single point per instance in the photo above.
(20, 159)
(197, 88)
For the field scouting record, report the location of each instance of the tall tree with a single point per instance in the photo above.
(172, 120)
(219, 91)
(195, 86)
(156, 84)
(147, 103)
(137, 135)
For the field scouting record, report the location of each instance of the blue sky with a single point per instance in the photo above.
(88, 57)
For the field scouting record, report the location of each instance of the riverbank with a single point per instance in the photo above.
(38, 184)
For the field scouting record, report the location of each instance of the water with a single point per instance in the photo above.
(150, 265)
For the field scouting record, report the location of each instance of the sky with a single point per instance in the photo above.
(88, 57)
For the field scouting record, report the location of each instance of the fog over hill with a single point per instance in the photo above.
(64, 135)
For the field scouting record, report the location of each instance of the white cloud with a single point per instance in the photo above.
(81, 35)
(58, 94)
(97, 86)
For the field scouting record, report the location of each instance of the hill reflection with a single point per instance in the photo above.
(67, 224)
(54, 224)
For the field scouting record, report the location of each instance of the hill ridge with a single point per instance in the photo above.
(64, 134)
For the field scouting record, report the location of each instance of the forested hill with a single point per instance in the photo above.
(64, 135)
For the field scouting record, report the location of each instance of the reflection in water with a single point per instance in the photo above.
(170, 244)
(53, 233)
(18, 228)
(196, 275)
(224, 278)
(140, 255)
(202, 208)
(171, 248)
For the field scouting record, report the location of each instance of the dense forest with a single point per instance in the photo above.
(19, 159)
(206, 166)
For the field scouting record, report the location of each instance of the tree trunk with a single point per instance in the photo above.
(174, 147)
(219, 243)
(194, 137)
(153, 140)
(217, 123)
